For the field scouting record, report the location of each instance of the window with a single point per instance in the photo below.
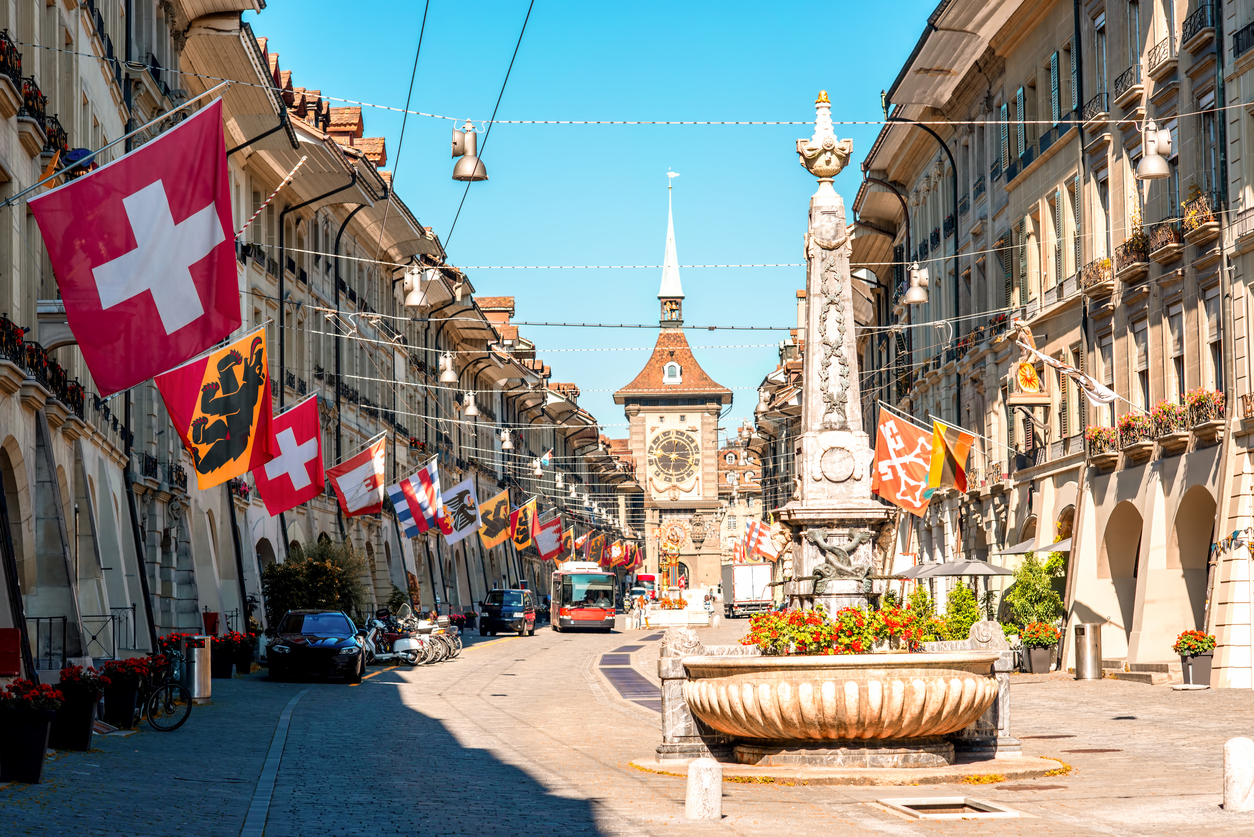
(1055, 93)
(1099, 51)
(1134, 32)
(1209, 145)
(1214, 342)
(1064, 401)
(1173, 165)
(1073, 209)
(671, 374)
(730, 459)
(1055, 246)
(1021, 138)
(1103, 205)
(1140, 363)
(1175, 334)
(683, 419)
(1106, 358)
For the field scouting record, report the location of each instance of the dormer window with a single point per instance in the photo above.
(671, 374)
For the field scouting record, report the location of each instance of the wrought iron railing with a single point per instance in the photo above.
(951, 223)
(289, 378)
(964, 204)
(100, 635)
(148, 465)
(1096, 272)
(1127, 80)
(1047, 139)
(936, 237)
(12, 342)
(994, 171)
(47, 642)
(977, 188)
(1132, 251)
(1242, 40)
(178, 475)
(1164, 234)
(1202, 18)
(240, 488)
(1098, 104)
(34, 104)
(1162, 51)
(37, 363)
(57, 140)
(1199, 211)
(300, 386)
(923, 251)
(10, 59)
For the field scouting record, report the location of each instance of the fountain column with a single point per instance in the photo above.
(837, 527)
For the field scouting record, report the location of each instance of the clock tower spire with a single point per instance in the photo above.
(671, 294)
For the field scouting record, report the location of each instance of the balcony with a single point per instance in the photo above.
(177, 475)
(290, 379)
(1199, 28)
(1242, 41)
(1132, 258)
(977, 189)
(1201, 227)
(923, 251)
(58, 141)
(1165, 241)
(964, 205)
(994, 171)
(1096, 109)
(10, 76)
(1128, 87)
(301, 387)
(32, 118)
(148, 466)
(951, 223)
(936, 237)
(1161, 59)
(1097, 278)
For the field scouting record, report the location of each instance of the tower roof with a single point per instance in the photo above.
(672, 346)
(671, 286)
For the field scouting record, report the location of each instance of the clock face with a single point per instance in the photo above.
(673, 455)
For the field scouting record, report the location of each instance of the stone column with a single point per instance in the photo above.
(837, 527)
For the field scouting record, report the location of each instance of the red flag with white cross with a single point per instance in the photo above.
(143, 252)
(295, 475)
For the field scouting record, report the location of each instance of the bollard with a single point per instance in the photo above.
(1238, 775)
(705, 790)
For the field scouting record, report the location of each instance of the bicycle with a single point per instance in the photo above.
(166, 701)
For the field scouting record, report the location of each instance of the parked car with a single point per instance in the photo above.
(316, 643)
(508, 610)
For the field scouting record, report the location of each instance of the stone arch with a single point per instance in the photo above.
(265, 554)
(1188, 549)
(324, 538)
(17, 487)
(1028, 530)
(1117, 558)
(1064, 526)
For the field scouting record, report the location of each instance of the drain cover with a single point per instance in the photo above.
(948, 808)
(1095, 750)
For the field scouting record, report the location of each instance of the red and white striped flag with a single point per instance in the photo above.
(420, 496)
(758, 541)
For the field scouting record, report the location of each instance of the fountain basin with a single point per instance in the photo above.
(842, 697)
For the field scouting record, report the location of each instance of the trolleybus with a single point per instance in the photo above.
(584, 596)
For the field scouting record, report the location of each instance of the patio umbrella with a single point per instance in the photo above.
(968, 568)
(918, 571)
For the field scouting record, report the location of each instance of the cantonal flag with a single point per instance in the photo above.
(520, 522)
(358, 481)
(143, 253)
(494, 519)
(417, 500)
(568, 542)
(548, 538)
(950, 446)
(460, 514)
(618, 554)
(295, 475)
(220, 405)
(903, 457)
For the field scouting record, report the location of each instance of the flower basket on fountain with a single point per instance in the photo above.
(81, 689)
(1197, 651)
(26, 713)
(667, 603)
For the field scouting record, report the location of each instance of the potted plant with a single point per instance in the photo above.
(81, 689)
(1039, 639)
(121, 693)
(222, 655)
(1197, 651)
(26, 713)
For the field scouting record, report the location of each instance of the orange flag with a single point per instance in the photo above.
(220, 404)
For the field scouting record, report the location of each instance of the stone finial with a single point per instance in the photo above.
(823, 155)
(1238, 775)
(704, 799)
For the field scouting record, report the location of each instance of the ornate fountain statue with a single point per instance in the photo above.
(835, 523)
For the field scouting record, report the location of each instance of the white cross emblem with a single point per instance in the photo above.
(292, 459)
(893, 466)
(164, 252)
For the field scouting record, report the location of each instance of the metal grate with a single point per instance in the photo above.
(948, 808)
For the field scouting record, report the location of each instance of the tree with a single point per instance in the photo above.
(962, 610)
(324, 575)
(1032, 597)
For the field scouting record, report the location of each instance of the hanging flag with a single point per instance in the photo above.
(144, 255)
(903, 458)
(548, 539)
(296, 474)
(568, 542)
(617, 554)
(494, 518)
(520, 524)
(418, 502)
(1097, 394)
(220, 405)
(758, 541)
(607, 559)
(358, 481)
(738, 552)
(950, 446)
(547, 458)
(594, 547)
(461, 512)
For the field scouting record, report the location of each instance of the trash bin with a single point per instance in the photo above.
(196, 657)
(1088, 651)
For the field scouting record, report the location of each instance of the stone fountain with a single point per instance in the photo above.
(866, 710)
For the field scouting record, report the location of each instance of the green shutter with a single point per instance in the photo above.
(1003, 249)
(1005, 136)
(1020, 128)
(1075, 203)
(1064, 420)
(1057, 236)
(1075, 81)
(1023, 261)
(1055, 99)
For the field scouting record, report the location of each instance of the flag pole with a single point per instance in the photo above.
(106, 147)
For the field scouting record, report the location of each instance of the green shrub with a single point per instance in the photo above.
(326, 575)
(962, 610)
(1032, 597)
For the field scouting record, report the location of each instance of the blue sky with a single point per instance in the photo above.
(587, 194)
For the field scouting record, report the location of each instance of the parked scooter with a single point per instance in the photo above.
(386, 643)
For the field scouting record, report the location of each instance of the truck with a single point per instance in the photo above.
(746, 588)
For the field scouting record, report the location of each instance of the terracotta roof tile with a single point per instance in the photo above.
(346, 120)
(495, 303)
(261, 43)
(673, 346)
(508, 332)
(375, 149)
(274, 66)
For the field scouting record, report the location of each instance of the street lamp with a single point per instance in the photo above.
(465, 145)
(471, 410)
(506, 444)
(1157, 148)
(448, 375)
(917, 293)
(415, 296)
(537, 471)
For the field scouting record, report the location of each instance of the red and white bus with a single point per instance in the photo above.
(584, 596)
(649, 583)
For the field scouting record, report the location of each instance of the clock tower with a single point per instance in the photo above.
(673, 408)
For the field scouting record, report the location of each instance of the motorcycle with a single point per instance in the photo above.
(386, 642)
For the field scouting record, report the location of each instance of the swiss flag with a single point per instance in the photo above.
(295, 475)
(143, 251)
(359, 481)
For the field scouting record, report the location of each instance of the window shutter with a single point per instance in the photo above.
(1075, 202)
(1055, 98)
(1140, 334)
(1075, 82)
(1005, 136)
(1057, 236)
(1020, 128)
(1064, 417)
(1023, 261)
(1004, 249)
(1081, 402)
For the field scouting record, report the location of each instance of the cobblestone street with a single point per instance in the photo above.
(526, 736)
